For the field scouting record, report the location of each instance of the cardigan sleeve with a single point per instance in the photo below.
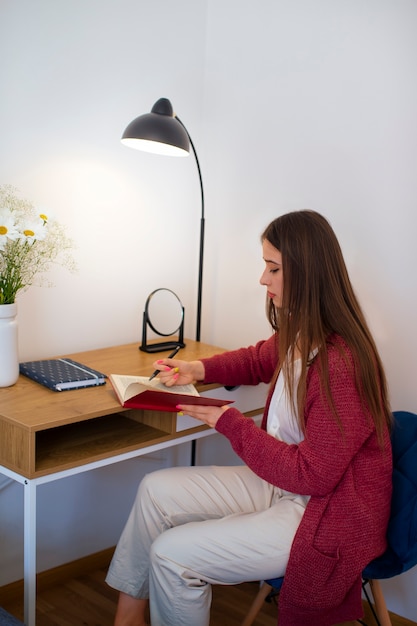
(316, 465)
(246, 366)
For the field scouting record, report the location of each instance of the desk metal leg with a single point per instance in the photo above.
(30, 552)
(193, 452)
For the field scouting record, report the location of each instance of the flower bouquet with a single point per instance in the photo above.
(30, 241)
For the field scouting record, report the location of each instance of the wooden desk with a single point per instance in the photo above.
(44, 431)
(47, 435)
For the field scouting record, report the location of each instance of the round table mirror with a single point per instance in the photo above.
(164, 314)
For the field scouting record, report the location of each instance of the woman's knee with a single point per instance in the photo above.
(174, 547)
(153, 484)
(165, 546)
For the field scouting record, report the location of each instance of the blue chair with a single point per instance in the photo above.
(401, 554)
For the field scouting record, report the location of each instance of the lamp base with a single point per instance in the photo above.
(162, 346)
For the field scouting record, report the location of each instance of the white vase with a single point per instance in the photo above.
(9, 358)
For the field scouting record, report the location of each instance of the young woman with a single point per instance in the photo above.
(313, 497)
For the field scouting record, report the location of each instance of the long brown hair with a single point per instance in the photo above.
(319, 301)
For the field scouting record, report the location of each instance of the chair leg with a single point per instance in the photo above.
(380, 606)
(257, 604)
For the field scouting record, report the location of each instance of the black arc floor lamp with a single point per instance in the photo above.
(162, 132)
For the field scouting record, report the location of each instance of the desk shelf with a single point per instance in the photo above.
(72, 445)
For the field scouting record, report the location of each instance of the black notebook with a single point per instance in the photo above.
(62, 374)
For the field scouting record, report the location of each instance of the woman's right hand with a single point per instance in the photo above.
(175, 372)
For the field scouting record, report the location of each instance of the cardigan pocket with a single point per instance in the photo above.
(311, 580)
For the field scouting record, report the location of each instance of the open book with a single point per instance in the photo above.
(138, 392)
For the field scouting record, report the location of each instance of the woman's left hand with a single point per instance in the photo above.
(207, 414)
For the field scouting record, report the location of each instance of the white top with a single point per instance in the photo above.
(282, 422)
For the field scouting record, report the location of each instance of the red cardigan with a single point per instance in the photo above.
(347, 475)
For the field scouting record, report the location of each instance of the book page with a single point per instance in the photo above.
(130, 386)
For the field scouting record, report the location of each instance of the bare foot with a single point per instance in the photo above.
(130, 611)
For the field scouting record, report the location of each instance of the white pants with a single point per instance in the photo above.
(191, 527)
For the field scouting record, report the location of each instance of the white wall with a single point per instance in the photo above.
(291, 104)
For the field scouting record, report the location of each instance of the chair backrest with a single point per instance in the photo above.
(401, 554)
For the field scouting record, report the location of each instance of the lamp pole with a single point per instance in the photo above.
(202, 226)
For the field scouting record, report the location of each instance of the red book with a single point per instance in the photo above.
(138, 392)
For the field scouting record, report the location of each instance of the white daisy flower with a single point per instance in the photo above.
(8, 228)
(33, 230)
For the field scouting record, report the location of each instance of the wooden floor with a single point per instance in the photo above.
(88, 601)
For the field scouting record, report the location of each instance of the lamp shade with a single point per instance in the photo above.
(158, 131)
